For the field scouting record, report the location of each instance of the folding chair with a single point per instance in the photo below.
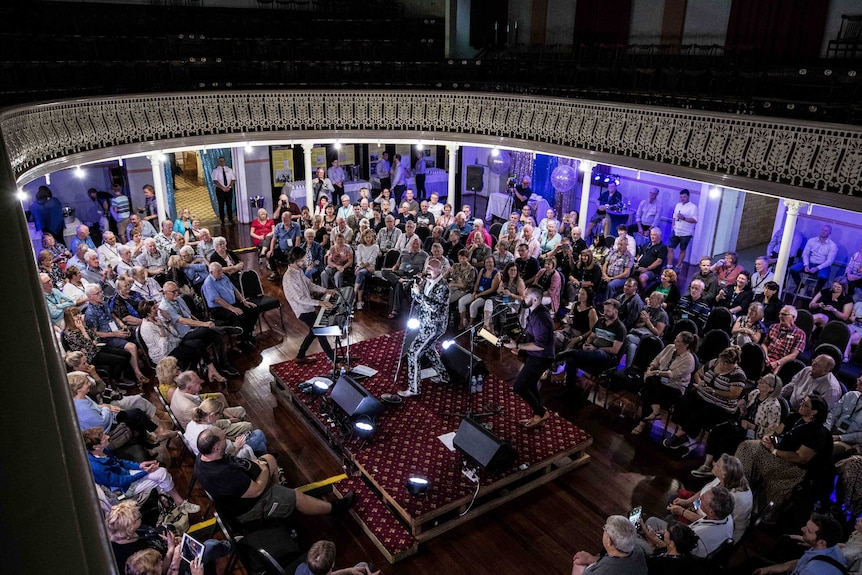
(252, 290)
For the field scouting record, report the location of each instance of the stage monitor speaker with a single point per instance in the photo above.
(354, 399)
(475, 178)
(456, 360)
(481, 447)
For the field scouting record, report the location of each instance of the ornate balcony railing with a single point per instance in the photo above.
(819, 163)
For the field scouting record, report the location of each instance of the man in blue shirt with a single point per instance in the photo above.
(227, 304)
(82, 235)
(823, 557)
(285, 236)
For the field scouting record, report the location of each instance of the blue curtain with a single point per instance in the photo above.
(543, 167)
(169, 191)
(209, 160)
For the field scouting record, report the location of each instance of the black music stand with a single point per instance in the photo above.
(337, 331)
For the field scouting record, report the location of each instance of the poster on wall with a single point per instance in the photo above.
(282, 165)
(318, 158)
(430, 153)
(406, 158)
(375, 153)
(346, 156)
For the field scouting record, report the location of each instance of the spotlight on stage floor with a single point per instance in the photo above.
(364, 428)
(413, 323)
(320, 387)
(417, 485)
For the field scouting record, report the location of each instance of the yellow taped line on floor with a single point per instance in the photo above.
(202, 525)
(323, 483)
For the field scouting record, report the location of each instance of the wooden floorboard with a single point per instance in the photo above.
(536, 533)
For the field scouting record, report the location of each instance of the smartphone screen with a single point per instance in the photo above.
(191, 548)
(635, 515)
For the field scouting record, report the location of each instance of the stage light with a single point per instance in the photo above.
(413, 323)
(420, 146)
(447, 344)
(584, 166)
(248, 147)
(597, 177)
(79, 173)
(337, 145)
(495, 151)
(417, 485)
(21, 195)
(319, 387)
(607, 179)
(364, 427)
(714, 193)
(47, 179)
(120, 162)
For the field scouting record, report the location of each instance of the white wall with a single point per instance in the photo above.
(258, 180)
(706, 22)
(645, 25)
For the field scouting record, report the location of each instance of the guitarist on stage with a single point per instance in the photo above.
(539, 351)
(431, 299)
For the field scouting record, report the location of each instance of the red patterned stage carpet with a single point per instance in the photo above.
(406, 442)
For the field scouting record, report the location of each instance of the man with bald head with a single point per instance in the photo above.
(228, 305)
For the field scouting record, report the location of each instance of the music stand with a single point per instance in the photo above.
(337, 331)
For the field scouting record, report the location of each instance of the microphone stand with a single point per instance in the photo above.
(470, 413)
(403, 341)
(343, 303)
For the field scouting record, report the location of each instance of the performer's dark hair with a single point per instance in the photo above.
(295, 254)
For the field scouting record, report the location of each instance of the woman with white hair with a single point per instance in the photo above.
(621, 554)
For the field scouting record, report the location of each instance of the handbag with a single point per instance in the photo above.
(171, 516)
(120, 435)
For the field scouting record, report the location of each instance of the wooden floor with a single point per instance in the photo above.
(537, 533)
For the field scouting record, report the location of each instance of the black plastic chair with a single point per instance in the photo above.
(631, 378)
(682, 325)
(805, 322)
(835, 332)
(714, 342)
(789, 369)
(832, 351)
(752, 361)
(495, 228)
(719, 318)
(252, 290)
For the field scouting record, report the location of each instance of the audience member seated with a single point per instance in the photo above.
(478, 250)
(165, 237)
(78, 259)
(126, 263)
(736, 298)
(853, 271)
(177, 274)
(602, 347)
(52, 269)
(510, 294)
(693, 306)
(285, 236)
(608, 200)
(651, 260)
(749, 328)
(59, 252)
(389, 236)
(820, 535)
(249, 489)
(339, 260)
(599, 249)
(154, 260)
(183, 225)
(487, 281)
(436, 253)
(772, 303)
(141, 226)
(461, 277)
(446, 219)
(762, 275)
(125, 303)
(586, 272)
(532, 242)
(132, 410)
(550, 217)
(321, 559)
(551, 238)
(365, 261)
(231, 265)
(652, 320)
(760, 415)
(631, 304)
(342, 228)
(435, 237)
(817, 257)
(726, 270)
(550, 282)
(712, 529)
(667, 287)
(667, 378)
(784, 341)
(676, 557)
(144, 550)
(526, 217)
(56, 300)
(617, 268)
(95, 274)
(227, 304)
(832, 304)
(815, 379)
(410, 263)
(578, 323)
(709, 278)
(206, 416)
(844, 422)
(109, 329)
(196, 267)
(716, 387)
(777, 463)
(108, 252)
(136, 244)
(188, 396)
(314, 254)
(147, 288)
(621, 553)
(129, 477)
(568, 221)
(503, 256)
(479, 228)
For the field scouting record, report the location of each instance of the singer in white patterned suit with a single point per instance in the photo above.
(431, 299)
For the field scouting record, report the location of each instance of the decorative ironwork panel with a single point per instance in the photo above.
(811, 156)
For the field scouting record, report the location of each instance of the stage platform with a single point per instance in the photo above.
(406, 442)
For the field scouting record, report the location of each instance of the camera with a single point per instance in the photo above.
(511, 181)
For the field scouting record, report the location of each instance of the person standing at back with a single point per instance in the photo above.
(223, 179)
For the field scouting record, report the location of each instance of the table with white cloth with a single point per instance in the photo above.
(351, 188)
(436, 180)
(500, 206)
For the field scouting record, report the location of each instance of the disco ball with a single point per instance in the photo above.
(499, 164)
(564, 178)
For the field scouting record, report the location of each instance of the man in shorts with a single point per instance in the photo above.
(684, 220)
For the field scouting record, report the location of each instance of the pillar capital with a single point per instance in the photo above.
(792, 206)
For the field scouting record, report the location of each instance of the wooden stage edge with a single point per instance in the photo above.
(449, 516)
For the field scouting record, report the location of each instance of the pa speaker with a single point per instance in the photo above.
(457, 360)
(475, 178)
(481, 447)
(354, 399)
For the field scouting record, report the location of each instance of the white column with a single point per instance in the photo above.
(240, 188)
(786, 240)
(159, 184)
(306, 157)
(586, 168)
(453, 160)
